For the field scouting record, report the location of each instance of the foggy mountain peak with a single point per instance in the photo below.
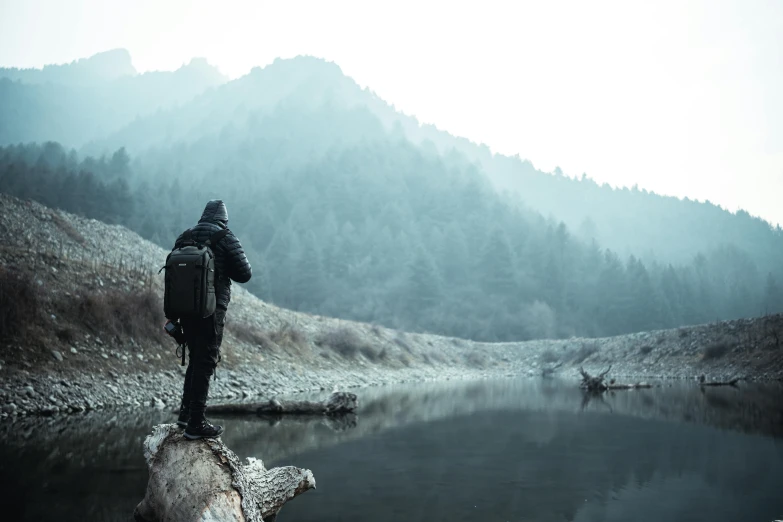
(309, 78)
(200, 67)
(109, 65)
(103, 66)
(300, 64)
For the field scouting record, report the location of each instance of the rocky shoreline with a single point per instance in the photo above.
(24, 393)
(99, 375)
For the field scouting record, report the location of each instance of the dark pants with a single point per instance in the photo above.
(204, 337)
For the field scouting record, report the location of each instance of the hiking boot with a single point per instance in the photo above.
(184, 416)
(203, 430)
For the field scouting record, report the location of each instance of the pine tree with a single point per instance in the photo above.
(280, 258)
(424, 283)
(119, 165)
(454, 260)
(496, 270)
(773, 296)
(612, 302)
(306, 290)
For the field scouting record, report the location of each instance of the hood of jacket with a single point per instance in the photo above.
(215, 212)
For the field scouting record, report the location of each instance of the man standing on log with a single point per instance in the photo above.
(204, 335)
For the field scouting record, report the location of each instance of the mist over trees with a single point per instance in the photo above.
(364, 235)
(350, 209)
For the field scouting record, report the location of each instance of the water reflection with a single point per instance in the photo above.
(500, 450)
(545, 466)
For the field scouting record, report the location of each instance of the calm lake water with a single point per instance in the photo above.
(505, 450)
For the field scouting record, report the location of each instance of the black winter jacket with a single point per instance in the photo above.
(230, 260)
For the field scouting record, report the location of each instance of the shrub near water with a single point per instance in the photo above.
(134, 314)
(137, 314)
(348, 344)
(549, 356)
(251, 334)
(19, 304)
(716, 350)
(584, 352)
(287, 336)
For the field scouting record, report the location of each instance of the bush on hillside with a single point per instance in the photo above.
(348, 344)
(252, 334)
(584, 352)
(137, 314)
(19, 304)
(289, 335)
(716, 350)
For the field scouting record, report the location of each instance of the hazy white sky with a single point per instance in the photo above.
(682, 97)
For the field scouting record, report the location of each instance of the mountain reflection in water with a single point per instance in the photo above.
(516, 449)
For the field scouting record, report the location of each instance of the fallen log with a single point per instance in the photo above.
(732, 382)
(637, 386)
(336, 403)
(204, 481)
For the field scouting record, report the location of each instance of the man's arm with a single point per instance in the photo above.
(237, 265)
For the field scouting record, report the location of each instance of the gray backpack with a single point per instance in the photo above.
(189, 290)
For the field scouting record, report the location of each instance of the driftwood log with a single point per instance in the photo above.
(204, 481)
(637, 386)
(336, 403)
(732, 382)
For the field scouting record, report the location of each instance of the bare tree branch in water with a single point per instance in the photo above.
(593, 384)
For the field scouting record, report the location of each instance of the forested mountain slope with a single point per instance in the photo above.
(383, 232)
(350, 209)
(627, 220)
(103, 103)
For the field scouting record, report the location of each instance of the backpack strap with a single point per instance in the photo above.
(215, 238)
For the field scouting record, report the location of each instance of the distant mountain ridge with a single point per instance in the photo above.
(91, 98)
(628, 220)
(105, 66)
(213, 126)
